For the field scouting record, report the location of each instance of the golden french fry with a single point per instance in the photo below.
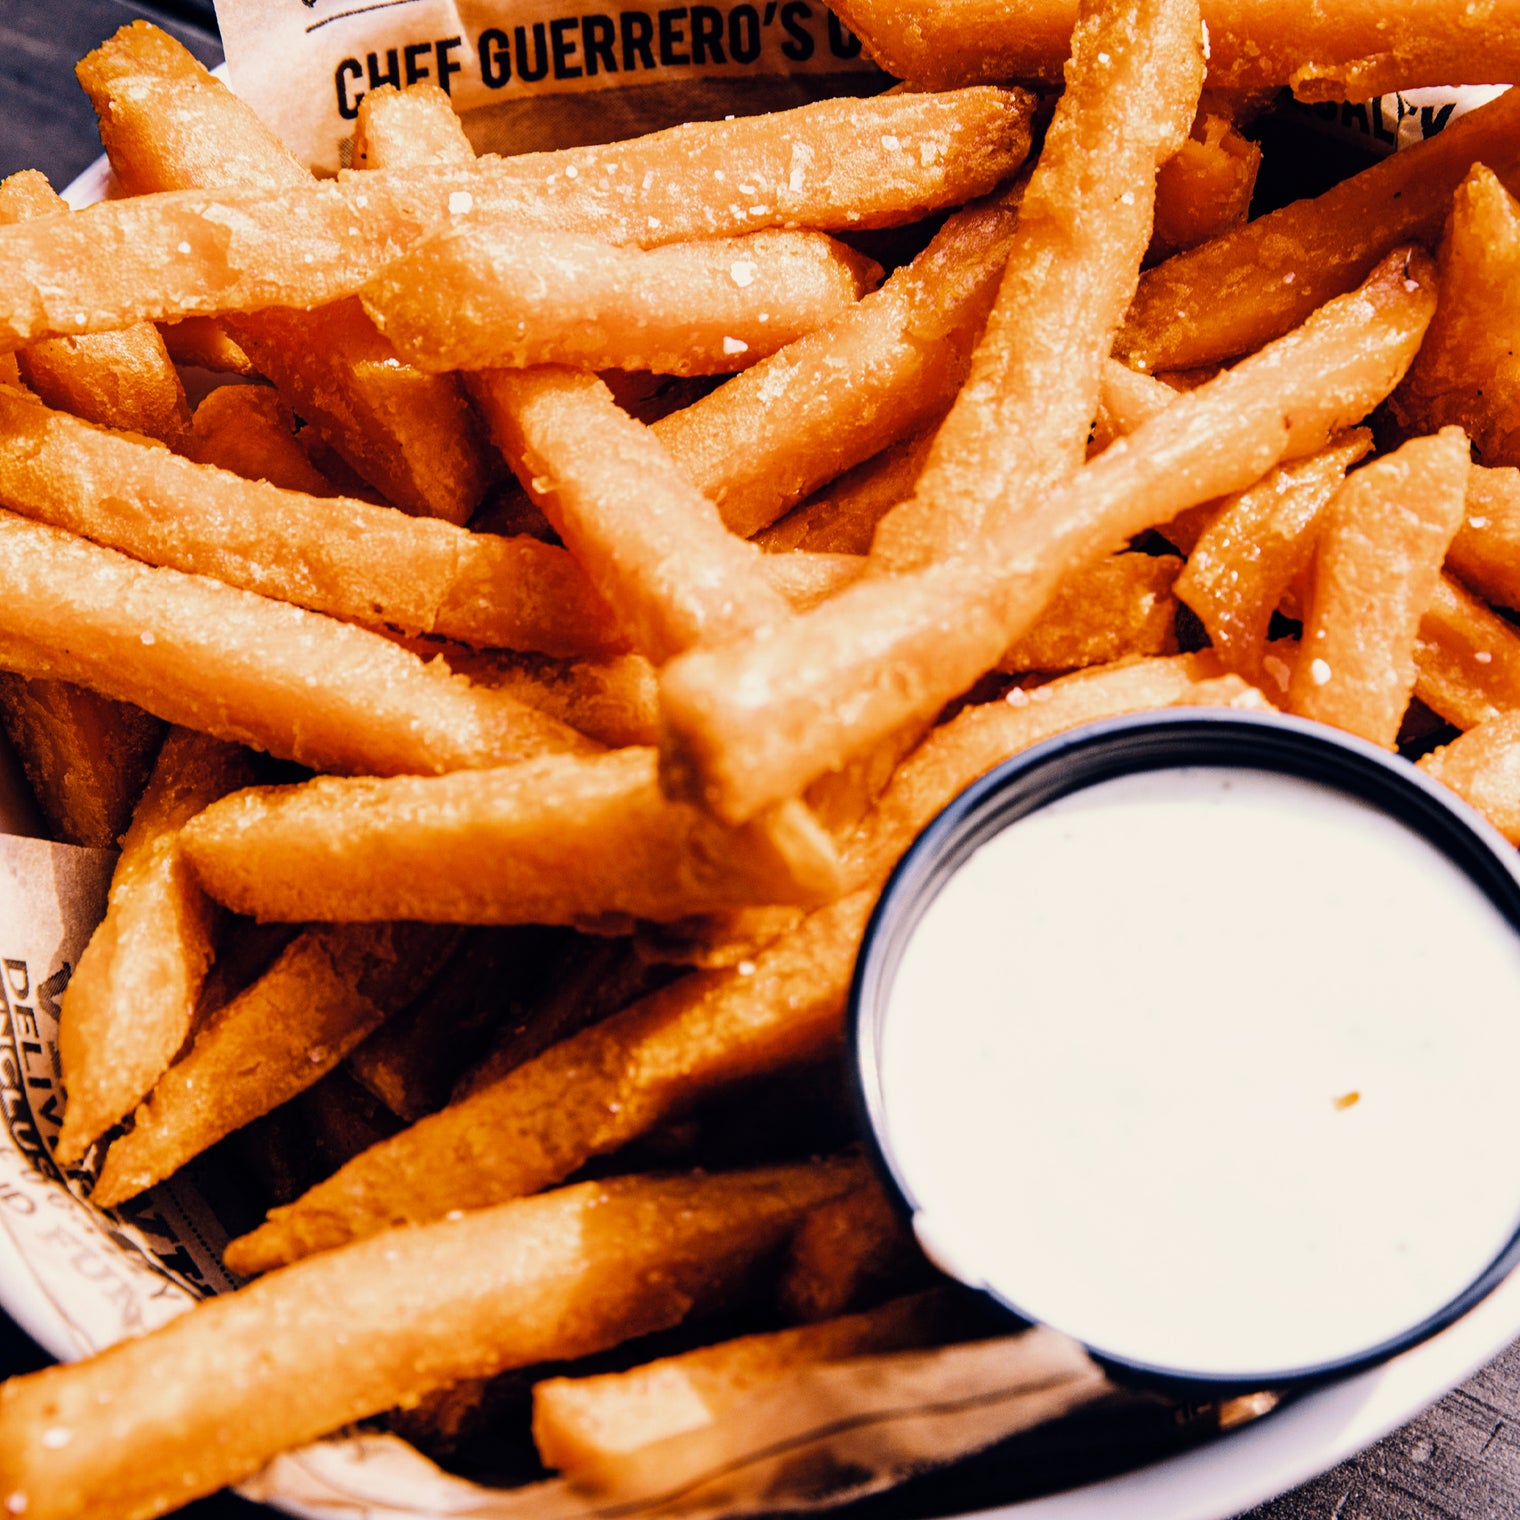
(336, 555)
(1381, 542)
(1119, 607)
(1466, 372)
(1343, 52)
(846, 1250)
(131, 1002)
(120, 379)
(649, 541)
(842, 518)
(497, 295)
(102, 268)
(558, 840)
(1467, 658)
(758, 720)
(1256, 283)
(248, 430)
(169, 125)
(1485, 554)
(1204, 190)
(1483, 769)
(1132, 83)
(579, 1422)
(213, 1395)
(402, 129)
(226, 662)
(891, 363)
(329, 988)
(586, 1096)
(1257, 546)
(202, 343)
(1129, 399)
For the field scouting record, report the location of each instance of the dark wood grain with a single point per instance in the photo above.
(1458, 1461)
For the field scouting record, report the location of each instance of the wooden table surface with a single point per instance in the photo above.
(1458, 1461)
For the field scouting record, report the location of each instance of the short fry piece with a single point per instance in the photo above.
(1256, 547)
(1378, 559)
(130, 1004)
(758, 720)
(195, 652)
(1466, 372)
(248, 430)
(1241, 290)
(202, 343)
(1468, 658)
(1483, 769)
(586, 1096)
(1204, 190)
(579, 1422)
(401, 129)
(330, 988)
(558, 840)
(1485, 554)
(495, 295)
(218, 1392)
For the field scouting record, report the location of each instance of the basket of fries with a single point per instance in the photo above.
(462, 753)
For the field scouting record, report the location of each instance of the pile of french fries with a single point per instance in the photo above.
(507, 745)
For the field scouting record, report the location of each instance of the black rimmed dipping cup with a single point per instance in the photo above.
(1209, 745)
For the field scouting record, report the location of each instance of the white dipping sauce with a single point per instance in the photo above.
(1211, 1068)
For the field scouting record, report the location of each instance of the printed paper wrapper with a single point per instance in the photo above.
(530, 74)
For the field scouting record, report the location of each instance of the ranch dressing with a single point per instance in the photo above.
(1211, 1068)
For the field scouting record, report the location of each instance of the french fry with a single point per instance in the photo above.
(563, 839)
(167, 124)
(497, 295)
(846, 1251)
(249, 431)
(1483, 769)
(1084, 224)
(413, 1060)
(1129, 399)
(334, 554)
(1380, 546)
(209, 1398)
(758, 720)
(1466, 372)
(1119, 607)
(1467, 658)
(579, 1422)
(131, 1002)
(226, 662)
(1485, 554)
(403, 129)
(1257, 546)
(329, 988)
(806, 578)
(120, 379)
(202, 343)
(842, 518)
(86, 756)
(650, 543)
(102, 268)
(1252, 285)
(893, 362)
(586, 1096)
(1346, 52)
(1204, 190)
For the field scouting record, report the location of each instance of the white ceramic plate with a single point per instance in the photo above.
(1212, 1482)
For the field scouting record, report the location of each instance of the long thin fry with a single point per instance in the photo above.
(226, 662)
(1255, 284)
(495, 295)
(1340, 52)
(169, 125)
(756, 721)
(330, 988)
(216, 1393)
(333, 554)
(559, 840)
(308, 246)
(1020, 424)
(586, 1096)
(894, 361)
(131, 1002)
